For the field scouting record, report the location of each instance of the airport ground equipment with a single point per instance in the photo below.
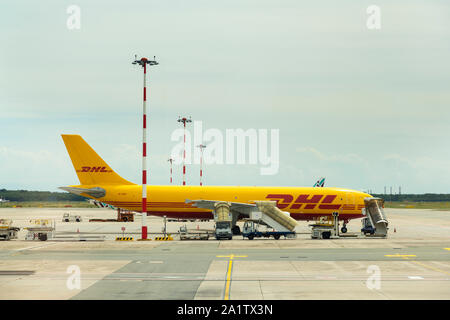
(67, 217)
(274, 217)
(223, 219)
(7, 231)
(41, 229)
(185, 234)
(251, 231)
(122, 216)
(267, 213)
(375, 223)
(367, 228)
(326, 228)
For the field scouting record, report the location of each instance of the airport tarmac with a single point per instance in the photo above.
(412, 263)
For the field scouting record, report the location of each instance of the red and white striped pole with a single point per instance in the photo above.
(201, 146)
(170, 160)
(184, 121)
(143, 62)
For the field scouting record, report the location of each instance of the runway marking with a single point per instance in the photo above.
(429, 267)
(447, 249)
(156, 262)
(18, 251)
(415, 278)
(326, 277)
(230, 267)
(407, 256)
(404, 256)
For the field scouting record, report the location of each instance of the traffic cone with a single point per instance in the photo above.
(395, 230)
(78, 230)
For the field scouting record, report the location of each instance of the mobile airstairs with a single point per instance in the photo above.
(375, 223)
(268, 214)
(262, 212)
(273, 217)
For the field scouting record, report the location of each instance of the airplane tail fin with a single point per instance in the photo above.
(320, 183)
(90, 168)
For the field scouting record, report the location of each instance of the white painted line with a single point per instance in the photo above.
(326, 277)
(156, 262)
(415, 278)
(35, 247)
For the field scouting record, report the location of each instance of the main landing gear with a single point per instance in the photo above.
(344, 228)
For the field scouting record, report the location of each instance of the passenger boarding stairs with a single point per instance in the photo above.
(273, 217)
(265, 212)
(375, 215)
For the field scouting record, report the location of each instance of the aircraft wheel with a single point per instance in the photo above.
(250, 237)
(236, 230)
(276, 237)
(344, 229)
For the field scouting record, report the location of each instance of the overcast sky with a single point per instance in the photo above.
(364, 108)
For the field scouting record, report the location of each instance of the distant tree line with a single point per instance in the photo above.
(427, 197)
(25, 195)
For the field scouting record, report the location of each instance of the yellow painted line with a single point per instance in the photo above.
(400, 255)
(406, 256)
(231, 256)
(230, 266)
(228, 283)
(447, 249)
(429, 267)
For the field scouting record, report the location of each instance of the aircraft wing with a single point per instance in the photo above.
(244, 208)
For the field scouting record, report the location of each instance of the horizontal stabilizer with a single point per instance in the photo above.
(93, 192)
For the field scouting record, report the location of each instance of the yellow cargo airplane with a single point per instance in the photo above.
(100, 182)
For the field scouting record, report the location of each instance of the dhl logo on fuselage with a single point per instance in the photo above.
(93, 169)
(309, 201)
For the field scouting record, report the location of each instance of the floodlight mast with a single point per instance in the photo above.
(170, 160)
(184, 120)
(201, 146)
(143, 62)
